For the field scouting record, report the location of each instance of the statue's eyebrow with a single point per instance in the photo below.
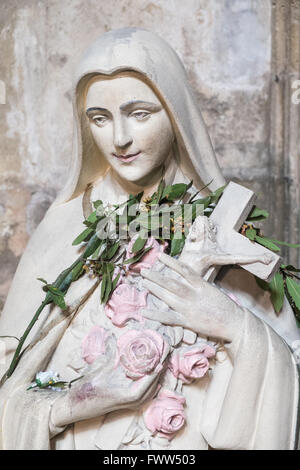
(136, 104)
(92, 111)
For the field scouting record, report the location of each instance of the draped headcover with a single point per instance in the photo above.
(140, 52)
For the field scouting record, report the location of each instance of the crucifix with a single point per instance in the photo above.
(228, 217)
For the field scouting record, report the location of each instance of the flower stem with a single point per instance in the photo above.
(17, 354)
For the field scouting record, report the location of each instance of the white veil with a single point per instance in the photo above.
(146, 54)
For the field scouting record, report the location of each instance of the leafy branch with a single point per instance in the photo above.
(100, 255)
(284, 283)
(103, 253)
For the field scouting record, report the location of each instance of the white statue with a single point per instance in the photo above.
(136, 118)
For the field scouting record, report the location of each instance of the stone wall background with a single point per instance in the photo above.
(240, 56)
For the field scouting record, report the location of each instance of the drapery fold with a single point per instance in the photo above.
(26, 420)
(256, 397)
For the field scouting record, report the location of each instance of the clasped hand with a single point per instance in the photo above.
(194, 303)
(103, 388)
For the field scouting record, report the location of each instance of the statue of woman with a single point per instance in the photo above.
(136, 119)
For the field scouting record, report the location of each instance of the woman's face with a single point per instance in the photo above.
(130, 127)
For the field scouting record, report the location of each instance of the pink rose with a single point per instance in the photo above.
(165, 414)
(125, 303)
(140, 352)
(149, 258)
(93, 344)
(191, 364)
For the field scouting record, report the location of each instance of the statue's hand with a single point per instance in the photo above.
(103, 388)
(195, 304)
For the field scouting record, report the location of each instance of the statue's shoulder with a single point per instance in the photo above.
(54, 235)
(65, 218)
(47, 253)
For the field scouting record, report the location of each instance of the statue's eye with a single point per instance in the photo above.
(140, 115)
(99, 120)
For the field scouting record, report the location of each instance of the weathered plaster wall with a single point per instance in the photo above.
(224, 44)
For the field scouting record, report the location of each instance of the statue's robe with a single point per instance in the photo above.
(249, 401)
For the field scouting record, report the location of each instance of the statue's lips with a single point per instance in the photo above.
(127, 158)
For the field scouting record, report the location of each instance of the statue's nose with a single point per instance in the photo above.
(122, 136)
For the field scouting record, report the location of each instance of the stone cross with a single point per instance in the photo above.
(229, 215)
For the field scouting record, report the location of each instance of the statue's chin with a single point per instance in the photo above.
(139, 177)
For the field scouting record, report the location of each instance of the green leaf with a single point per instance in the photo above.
(63, 275)
(199, 202)
(137, 257)
(106, 285)
(92, 218)
(289, 267)
(266, 242)
(177, 245)
(251, 234)
(96, 253)
(146, 221)
(258, 214)
(54, 290)
(186, 189)
(77, 271)
(200, 190)
(293, 288)
(110, 267)
(58, 300)
(115, 281)
(110, 253)
(83, 236)
(139, 196)
(204, 201)
(189, 185)
(65, 283)
(174, 191)
(217, 194)
(60, 384)
(139, 244)
(92, 246)
(291, 245)
(103, 287)
(102, 227)
(277, 292)
(108, 289)
(97, 203)
(167, 191)
(262, 284)
(160, 190)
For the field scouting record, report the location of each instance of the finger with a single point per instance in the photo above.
(149, 381)
(163, 294)
(106, 361)
(176, 265)
(169, 284)
(149, 384)
(140, 390)
(168, 317)
(151, 390)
